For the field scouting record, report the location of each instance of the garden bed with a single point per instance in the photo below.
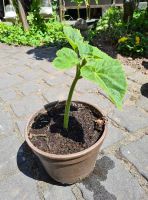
(139, 63)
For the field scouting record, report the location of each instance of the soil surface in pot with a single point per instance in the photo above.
(86, 126)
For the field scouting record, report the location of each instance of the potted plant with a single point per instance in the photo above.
(67, 135)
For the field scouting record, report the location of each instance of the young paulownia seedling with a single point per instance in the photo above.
(91, 64)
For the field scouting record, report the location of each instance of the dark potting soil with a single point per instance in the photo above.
(86, 126)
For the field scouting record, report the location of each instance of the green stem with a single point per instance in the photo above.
(87, 12)
(68, 102)
(78, 9)
(88, 9)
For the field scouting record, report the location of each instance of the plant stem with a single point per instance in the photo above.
(78, 10)
(68, 102)
(87, 12)
(88, 9)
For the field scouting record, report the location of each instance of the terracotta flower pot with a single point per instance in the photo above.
(71, 168)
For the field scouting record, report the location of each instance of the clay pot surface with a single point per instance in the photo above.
(71, 168)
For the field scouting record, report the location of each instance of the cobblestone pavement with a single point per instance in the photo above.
(27, 82)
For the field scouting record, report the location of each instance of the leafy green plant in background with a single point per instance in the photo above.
(54, 4)
(34, 18)
(14, 34)
(139, 23)
(110, 25)
(91, 64)
(137, 34)
(41, 31)
(135, 44)
(111, 28)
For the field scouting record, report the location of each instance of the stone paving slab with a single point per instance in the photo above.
(54, 94)
(7, 80)
(46, 67)
(8, 152)
(86, 86)
(58, 80)
(7, 94)
(28, 82)
(143, 102)
(131, 118)
(111, 181)
(54, 192)
(18, 187)
(137, 153)
(21, 124)
(114, 135)
(134, 87)
(103, 104)
(28, 105)
(17, 69)
(129, 70)
(6, 122)
(31, 74)
(31, 87)
(138, 77)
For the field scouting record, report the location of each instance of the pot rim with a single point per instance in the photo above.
(66, 156)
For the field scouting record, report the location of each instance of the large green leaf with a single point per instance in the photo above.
(73, 36)
(66, 58)
(98, 53)
(108, 74)
(88, 51)
(85, 50)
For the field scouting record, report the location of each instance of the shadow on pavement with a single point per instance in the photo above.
(43, 53)
(145, 64)
(93, 182)
(30, 165)
(144, 90)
